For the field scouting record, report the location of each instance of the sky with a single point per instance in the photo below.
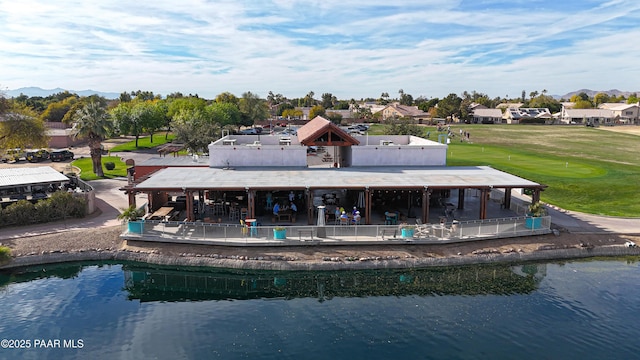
(352, 49)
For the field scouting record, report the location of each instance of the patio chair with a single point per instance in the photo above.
(243, 213)
(234, 213)
(344, 221)
(422, 231)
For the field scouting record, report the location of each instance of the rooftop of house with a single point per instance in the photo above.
(529, 113)
(487, 112)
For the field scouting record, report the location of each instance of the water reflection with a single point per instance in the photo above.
(148, 283)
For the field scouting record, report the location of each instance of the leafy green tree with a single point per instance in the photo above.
(94, 123)
(20, 128)
(195, 129)
(342, 105)
(428, 104)
(292, 114)
(145, 95)
(334, 117)
(227, 97)
(317, 110)
(56, 111)
(122, 118)
(405, 99)
(224, 115)
(581, 96)
(307, 101)
(4, 103)
(384, 98)
(186, 103)
(449, 106)
(402, 126)
(601, 98)
(583, 104)
(252, 108)
(81, 103)
(545, 101)
(282, 107)
(125, 97)
(328, 100)
(633, 98)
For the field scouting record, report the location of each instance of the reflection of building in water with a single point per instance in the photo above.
(168, 284)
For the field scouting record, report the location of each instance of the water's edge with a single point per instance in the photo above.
(204, 261)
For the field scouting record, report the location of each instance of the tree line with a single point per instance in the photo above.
(196, 121)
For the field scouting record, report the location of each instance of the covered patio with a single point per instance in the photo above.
(415, 192)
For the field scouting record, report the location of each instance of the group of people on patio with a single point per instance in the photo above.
(285, 211)
(344, 218)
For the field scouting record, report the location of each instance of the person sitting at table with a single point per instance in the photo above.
(276, 209)
(344, 215)
(354, 211)
(356, 218)
(337, 213)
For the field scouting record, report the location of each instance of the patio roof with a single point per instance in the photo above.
(22, 176)
(176, 179)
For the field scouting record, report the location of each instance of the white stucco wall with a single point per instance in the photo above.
(244, 152)
(398, 156)
(404, 150)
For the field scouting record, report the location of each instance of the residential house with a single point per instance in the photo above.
(517, 115)
(487, 116)
(396, 110)
(587, 116)
(623, 113)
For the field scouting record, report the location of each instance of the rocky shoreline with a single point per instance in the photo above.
(104, 244)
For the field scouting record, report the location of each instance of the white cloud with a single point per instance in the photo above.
(345, 47)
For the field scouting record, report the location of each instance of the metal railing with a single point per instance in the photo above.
(231, 234)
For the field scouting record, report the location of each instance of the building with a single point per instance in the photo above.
(397, 111)
(518, 115)
(623, 113)
(487, 116)
(587, 116)
(374, 172)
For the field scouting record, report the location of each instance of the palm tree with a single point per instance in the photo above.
(93, 122)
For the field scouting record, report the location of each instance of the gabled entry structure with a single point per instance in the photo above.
(324, 133)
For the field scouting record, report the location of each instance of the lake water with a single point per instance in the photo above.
(571, 310)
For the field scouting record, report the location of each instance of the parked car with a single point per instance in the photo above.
(13, 155)
(37, 155)
(60, 155)
(251, 131)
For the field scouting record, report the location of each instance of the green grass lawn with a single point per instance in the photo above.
(144, 142)
(589, 170)
(86, 168)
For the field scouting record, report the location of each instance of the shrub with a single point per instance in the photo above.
(20, 213)
(60, 205)
(5, 253)
(110, 165)
(537, 209)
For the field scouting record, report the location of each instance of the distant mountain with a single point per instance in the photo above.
(36, 91)
(592, 93)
